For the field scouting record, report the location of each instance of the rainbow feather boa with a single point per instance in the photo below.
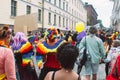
(44, 48)
(26, 51)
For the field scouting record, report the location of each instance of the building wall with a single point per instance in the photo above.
(91, 14)
(74, 13)
(5, 8)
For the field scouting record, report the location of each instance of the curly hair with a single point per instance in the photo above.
(67, 55)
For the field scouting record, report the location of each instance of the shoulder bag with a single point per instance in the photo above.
(83, 59)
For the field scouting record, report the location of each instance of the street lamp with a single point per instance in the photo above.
(42, 15)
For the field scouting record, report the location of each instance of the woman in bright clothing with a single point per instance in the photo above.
(48, 48)
(113, 53)
(23, 51)
(7, 64)
(107, 45)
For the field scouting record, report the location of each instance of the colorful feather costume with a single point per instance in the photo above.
(26, 50)
(44, 48)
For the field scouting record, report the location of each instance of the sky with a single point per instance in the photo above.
(103, 9)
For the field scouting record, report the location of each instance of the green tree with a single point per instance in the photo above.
(100, 22)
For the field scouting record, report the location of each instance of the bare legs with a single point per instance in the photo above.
(87, 77)
(94, 77)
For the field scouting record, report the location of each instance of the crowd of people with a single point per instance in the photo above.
(56, 54)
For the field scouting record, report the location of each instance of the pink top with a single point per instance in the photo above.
(7, 63)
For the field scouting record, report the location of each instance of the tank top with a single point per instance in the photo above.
(53, 75)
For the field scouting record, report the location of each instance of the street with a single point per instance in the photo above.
(100, 75)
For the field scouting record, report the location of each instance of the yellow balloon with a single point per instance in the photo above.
(80, 27)
(116, 33)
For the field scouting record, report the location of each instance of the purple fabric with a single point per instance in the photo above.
(18, 39)
(81, 35)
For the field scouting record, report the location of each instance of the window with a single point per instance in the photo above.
(28, 9)
(75, 2)
(66, 22)
(59, 3)
(66, 7)
(72, 24)
(63, 22)
(75, 13)
(54, 20)
(49, 18)
(39, 15)
(63, 5)
(69, 22)
(59, 21)
(13, 7)
(54, 2)
(69, 9)
(72, 11)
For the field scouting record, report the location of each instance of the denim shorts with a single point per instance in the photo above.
(91, 68)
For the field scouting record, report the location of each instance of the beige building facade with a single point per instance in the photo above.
(62, 14)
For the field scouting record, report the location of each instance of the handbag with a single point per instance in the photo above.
(82, 59)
